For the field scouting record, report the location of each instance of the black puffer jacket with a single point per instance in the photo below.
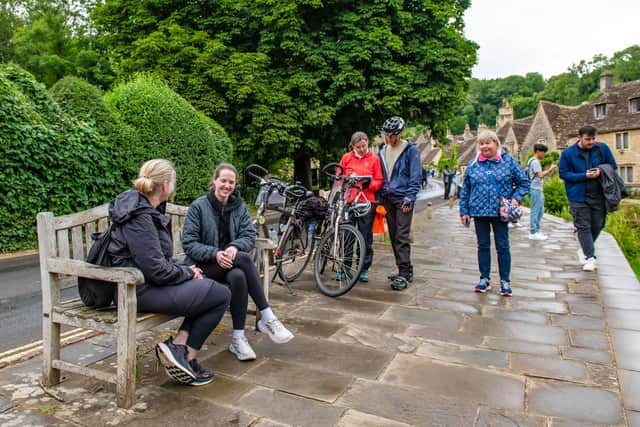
(141, 238)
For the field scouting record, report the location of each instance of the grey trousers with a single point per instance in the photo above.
(589, 219)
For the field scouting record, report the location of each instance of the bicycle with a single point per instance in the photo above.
(293, 248)
(339, 257)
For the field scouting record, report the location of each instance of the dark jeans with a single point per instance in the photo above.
(201, 302)
(365, 226)
(589, 219)
(399, 224)
(243, 280)
(447, 189)
(483, 226)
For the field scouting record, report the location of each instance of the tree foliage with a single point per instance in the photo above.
(296, 78)
(158, 123)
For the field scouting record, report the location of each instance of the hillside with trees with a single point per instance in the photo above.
(579, 83)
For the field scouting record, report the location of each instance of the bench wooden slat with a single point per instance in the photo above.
(81, 218)
(77, 244)
(89, 229)
(63, 243)
(84, 371)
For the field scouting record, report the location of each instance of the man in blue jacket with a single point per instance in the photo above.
(402, 180)
(579, 168)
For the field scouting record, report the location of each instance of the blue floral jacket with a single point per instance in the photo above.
(479, 197)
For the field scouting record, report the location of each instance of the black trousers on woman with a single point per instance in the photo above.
(201, 302)
(243, 280)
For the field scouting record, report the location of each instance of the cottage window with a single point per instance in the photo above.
(600, 110)
(634, 105)
(622, 141)
(629, 174)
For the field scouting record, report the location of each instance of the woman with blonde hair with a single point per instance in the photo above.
(141, 238)
(489, 178)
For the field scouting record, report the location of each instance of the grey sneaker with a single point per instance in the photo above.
(276, 331)
(241, 348)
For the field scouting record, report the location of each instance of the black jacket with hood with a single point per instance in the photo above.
(201, 237)
(141, 238)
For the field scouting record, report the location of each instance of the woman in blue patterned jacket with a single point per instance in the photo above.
(479, 199)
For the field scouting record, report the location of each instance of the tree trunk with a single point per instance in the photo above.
(302, 169)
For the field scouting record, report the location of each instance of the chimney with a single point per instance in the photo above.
(606, 81)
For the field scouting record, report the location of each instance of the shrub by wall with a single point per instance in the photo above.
(48, 161)
(162, 124)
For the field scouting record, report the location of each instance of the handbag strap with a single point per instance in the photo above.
(492, 178)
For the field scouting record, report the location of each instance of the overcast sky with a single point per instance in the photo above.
(548, 36)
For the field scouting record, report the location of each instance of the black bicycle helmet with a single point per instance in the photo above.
(393, 126)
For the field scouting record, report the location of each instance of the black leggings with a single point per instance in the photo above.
(243, 280)
(201, 302)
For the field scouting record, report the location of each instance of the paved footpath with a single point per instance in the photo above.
(563, 351)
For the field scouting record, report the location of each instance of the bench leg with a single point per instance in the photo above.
(50, 351)
(126, 371)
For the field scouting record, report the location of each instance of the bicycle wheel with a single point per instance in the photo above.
(293, 254)
(338, 263)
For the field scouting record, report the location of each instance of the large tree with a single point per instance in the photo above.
(294, 78)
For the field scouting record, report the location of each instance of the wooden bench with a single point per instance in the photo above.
(63, 243)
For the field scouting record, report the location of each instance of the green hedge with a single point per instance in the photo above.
(48, 161)
(159, 123)
(80, 99)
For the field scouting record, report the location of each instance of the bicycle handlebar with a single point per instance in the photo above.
(337, 169)
(256, 172)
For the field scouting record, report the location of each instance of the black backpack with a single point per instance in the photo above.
(98, 293)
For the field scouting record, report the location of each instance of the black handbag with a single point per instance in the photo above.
(98, 293)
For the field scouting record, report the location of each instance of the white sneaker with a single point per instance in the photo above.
(537, 236)
(241, 348)
(276, 330)
(590, 264)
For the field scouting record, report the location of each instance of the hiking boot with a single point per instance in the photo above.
(241, 348)
(203, 376)
(590, 264)
(505, 289)
(275, 330)
(407, 276)
(363, 277)
(174, 359)
(399, 283)
(483, 286)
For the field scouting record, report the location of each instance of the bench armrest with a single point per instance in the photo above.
(72, 267)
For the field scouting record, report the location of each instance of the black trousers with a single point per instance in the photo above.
(365, 226)
(589, 219)
(399, 224)
(201, 302)
(447, 189)
(243, 280)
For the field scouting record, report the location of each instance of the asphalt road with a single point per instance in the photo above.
(20, 294)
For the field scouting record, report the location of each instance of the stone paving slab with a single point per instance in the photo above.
(563, 351)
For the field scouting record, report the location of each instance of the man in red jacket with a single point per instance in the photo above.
(362, 162)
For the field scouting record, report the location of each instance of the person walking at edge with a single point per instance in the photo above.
(479, 199)
(360, 161)
(536, 178)
(580, 171)
(402, 173)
